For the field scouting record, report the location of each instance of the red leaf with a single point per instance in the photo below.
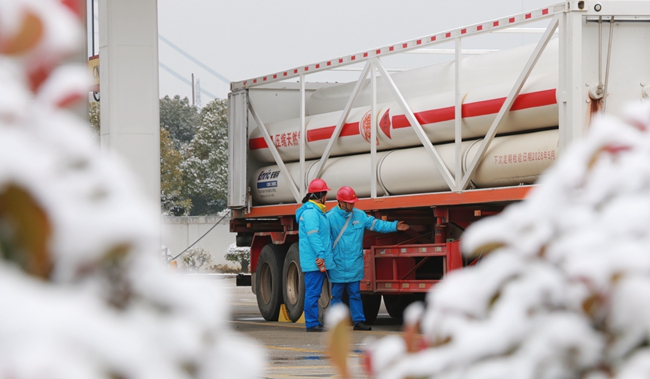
(37, 76)
(76, 6)
(366, 362)
(615, 149)
(68, 100)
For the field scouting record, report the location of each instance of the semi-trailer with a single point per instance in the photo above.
(440, 146)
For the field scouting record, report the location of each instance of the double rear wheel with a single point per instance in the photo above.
(280, 280)
(268, 281)
(293, 290)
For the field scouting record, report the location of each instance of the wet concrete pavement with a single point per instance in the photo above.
(292, 352)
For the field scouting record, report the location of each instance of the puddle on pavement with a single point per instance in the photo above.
(307, 357)
(303, 358)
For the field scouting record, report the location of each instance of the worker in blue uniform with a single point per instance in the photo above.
(315, 246)
(347, 226)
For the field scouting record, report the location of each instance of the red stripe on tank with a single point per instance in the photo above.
(350, 129)
(432, 116)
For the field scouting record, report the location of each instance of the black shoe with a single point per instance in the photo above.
(361, 326)
(319, 328)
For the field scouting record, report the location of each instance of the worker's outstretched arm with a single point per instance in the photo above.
(401, 226)
(377, 225)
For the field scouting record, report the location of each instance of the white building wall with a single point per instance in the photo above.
(180, 232)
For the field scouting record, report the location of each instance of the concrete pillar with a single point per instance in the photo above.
(130, 116)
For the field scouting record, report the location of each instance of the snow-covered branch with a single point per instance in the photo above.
(563, 290)
(83, 290)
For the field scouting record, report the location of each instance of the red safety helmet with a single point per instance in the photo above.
(317, 185)
(346, 195)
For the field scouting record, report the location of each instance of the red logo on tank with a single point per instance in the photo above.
(365, 127)
(384, 123)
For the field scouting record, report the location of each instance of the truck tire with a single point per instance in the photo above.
(293, 290)
(371, 304)
(268, 281)
(396, 304)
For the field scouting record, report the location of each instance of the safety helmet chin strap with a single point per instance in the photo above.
(314, 196)
(317, 195)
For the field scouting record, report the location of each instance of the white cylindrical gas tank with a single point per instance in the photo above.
(514, 160)
(353, 171)
(510, 160)
(476, 70)
(487, 81)
(409, 171)
(269, 186)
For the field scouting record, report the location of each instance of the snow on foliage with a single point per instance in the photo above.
(179, 119)
(564, 290)
(172, 199)
(194, 157)
(83, 292)
(239, 254)
(196, 258)
(205, 166)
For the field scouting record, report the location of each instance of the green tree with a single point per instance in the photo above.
(205, 167)
(179, 118)
(172, 199)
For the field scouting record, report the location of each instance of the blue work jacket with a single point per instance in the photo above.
(314, 237)
(348, 252)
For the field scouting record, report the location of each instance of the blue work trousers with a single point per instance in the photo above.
(313, 288)
(355, 304)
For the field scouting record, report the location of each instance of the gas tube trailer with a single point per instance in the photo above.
(439, 146)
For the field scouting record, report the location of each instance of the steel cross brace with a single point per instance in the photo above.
(437, 160)
(514, 92)
(344, 116)
(274, 152)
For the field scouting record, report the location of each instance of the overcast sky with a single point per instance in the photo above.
(242, 39)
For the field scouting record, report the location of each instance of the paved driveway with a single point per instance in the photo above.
(292, 352)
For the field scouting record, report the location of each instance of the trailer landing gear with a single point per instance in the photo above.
(396, 304)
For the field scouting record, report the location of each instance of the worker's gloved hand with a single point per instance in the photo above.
(402, 226)
(320, 262)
